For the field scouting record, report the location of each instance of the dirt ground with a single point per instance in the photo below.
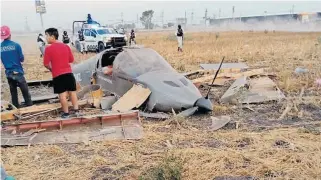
(255, 144)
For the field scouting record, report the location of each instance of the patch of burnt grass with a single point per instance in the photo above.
(171, 167)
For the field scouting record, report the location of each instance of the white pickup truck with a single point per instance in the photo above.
(98, 38)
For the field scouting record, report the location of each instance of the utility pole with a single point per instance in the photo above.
(292, 10)
(137, 18)
(185, 19)
(192, 16)
(27, 25)
(41, 20)
(41, 9)
(219, 13)
(162, 16)
(205, 16)
(233, 10)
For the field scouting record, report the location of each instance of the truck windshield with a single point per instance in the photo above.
(106, 31)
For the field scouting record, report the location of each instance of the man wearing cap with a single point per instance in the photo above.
(12, 59)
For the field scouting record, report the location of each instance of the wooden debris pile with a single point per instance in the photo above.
(251, 85)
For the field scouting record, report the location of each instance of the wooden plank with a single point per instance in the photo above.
(260, 90)
(234, 90)
(222, 77)
(44, 107)
(218, 81)
(9, 115)
(135, 97)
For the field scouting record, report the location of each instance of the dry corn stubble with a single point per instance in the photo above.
(204, 154)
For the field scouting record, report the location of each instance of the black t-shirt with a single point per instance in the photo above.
(132, 34)
(180, 32)
(81, 37)
(65, 39)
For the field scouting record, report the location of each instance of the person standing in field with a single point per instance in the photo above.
(132, 37)
(180, 38)
(41, 42)
(82, 41)
(57, 58)
(12, 59)
(65, 38)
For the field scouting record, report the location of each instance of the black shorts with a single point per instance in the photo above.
(63, 83)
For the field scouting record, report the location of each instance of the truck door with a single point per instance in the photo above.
(89, 40)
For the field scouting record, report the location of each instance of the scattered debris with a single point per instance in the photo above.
(94, 94)
(87, 128)
(218, 81)
(232, 67)
(11, 115)
(252, 91)
(135, 97)
(223, 77)
(107, 102)
(192, 73)
(299, 70)
(188, 112)
(158, 115)
(41, 98)
(8, 111)
(219, 122)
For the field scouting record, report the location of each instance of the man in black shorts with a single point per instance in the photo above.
(57, 58)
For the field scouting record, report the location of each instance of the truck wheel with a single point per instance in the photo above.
(101, 47)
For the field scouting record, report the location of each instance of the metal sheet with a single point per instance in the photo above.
(89, 128)
(224, 66)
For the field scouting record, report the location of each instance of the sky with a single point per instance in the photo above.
(61, 13)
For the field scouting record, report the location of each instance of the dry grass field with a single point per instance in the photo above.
(189, 150)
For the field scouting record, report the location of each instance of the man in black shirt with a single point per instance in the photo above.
(132, 37)
(180, 38)
(65, 38)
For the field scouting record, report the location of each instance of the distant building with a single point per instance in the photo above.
(181, 21)
(301, 17)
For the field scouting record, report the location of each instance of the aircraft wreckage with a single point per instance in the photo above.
(144, 66)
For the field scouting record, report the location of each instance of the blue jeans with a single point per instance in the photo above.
(18, 80)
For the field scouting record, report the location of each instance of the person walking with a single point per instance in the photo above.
(41, 42)
(180, 38)
(12, 59)
(132, 37)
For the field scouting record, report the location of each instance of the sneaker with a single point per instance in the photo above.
(65, 115)
(77, 113)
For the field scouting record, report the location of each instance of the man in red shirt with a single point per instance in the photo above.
(57, 58)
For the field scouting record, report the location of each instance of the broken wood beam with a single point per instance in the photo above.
(222, 77)
(9, 115)
(60, 123)
(135, 97)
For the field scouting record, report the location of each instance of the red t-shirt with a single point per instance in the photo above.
(58, 56)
